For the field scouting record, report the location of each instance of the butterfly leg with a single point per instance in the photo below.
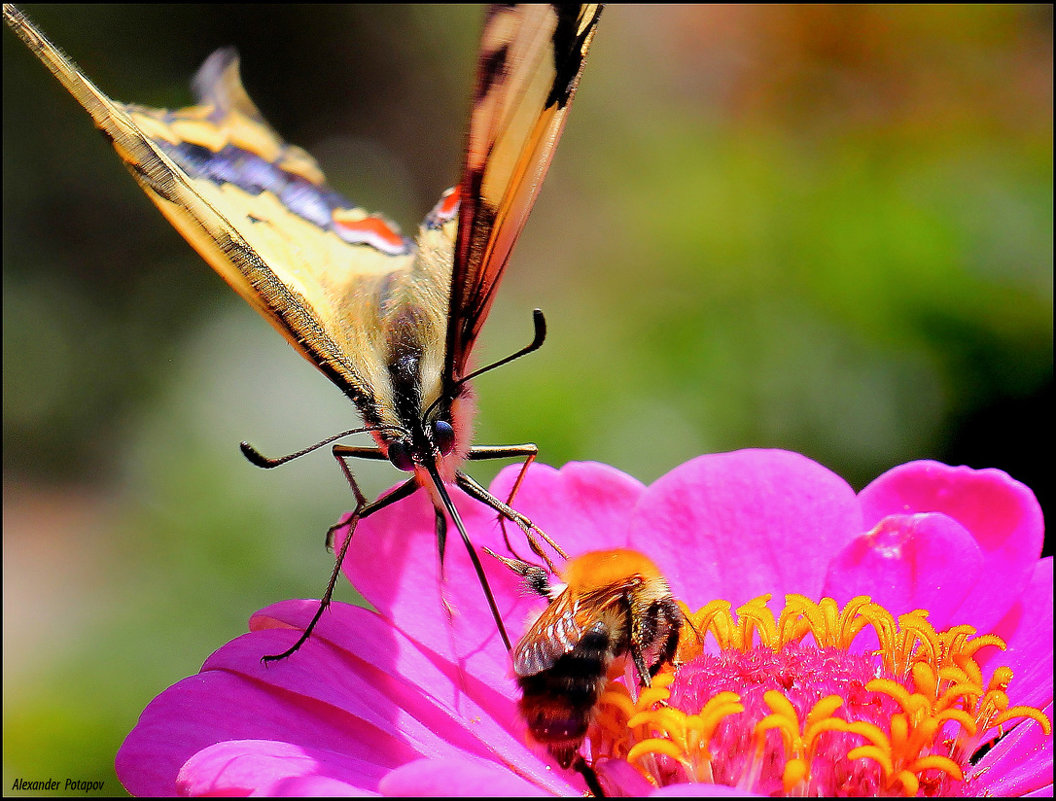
(475, 490)
(530, 452)
(445, 499)
(521, 473)
(363, 509)
(505, 511)
(516, 486)
(341, 453)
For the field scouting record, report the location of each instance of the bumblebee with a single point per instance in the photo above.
(610, 604)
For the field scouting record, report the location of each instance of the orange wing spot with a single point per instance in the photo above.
(204, 134)
(448, 204)
(369, 226)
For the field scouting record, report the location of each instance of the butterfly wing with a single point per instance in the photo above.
(530, 63)
(343, 286)
(259, 210)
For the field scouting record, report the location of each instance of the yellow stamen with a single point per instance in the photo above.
(755, 616)
(654, 745)
(795, 772)
(1023, 712)
(930, 677)
(653, 695)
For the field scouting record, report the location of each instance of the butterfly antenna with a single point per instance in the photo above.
(257, 458)
(537, 342)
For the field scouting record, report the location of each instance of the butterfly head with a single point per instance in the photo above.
(428, 443)
(437, 437)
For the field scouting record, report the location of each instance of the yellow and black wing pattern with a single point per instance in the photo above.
(257, 209)
(530, 63)
(344, 286)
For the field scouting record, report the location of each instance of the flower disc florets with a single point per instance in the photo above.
(795, 706)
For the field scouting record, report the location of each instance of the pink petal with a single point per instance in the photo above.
(456, 778)
(384, 704)
(428, 694)
(1002, 515)
(584, 506)
(907, 562)
(618, 778)
(1027, 630)
(1020, 764)
(313, 787)
(263, 767)
(1044, 792)
(386, 701)
(215, 707)
(738, 525)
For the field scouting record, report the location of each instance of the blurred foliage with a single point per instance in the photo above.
(823, 228)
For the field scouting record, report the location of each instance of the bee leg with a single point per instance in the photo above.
(363, 509)
(673, 619)
(641, 636)
(581, 767)
(644, 673)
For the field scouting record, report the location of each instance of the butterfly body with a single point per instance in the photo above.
(389, 320)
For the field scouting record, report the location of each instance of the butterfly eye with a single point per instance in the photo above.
(400, 456)
(444, 437)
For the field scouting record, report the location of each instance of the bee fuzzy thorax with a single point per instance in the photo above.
(599, 569)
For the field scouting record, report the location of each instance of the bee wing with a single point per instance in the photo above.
(530, 62)
(554, 633)
(256, 208)
(561, 626)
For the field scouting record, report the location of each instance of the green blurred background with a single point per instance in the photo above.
(827, 229)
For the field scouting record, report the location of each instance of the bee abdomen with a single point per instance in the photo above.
(558, 703)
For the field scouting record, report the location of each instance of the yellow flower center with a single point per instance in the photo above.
(771, 712)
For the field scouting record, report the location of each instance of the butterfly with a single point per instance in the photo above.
(390, 320)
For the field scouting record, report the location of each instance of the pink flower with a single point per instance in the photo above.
(413, 700)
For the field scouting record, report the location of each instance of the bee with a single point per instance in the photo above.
(609, 604)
